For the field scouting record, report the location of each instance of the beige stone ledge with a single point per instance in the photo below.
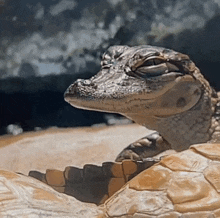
(57, 148)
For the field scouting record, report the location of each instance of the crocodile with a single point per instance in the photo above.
(158, 88)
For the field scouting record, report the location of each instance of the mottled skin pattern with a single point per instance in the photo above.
(157, 88)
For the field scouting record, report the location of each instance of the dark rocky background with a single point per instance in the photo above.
(46, 44)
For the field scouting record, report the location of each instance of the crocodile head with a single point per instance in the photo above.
(146, 80)
(155, 87)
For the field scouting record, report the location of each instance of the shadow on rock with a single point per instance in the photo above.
(92, 184)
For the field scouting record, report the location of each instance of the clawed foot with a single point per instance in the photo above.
(146, 147)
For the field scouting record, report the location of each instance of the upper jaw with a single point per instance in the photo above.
(86, 95)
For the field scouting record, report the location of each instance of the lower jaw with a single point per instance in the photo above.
(92, 105)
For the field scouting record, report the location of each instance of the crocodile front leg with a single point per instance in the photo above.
(146, 147)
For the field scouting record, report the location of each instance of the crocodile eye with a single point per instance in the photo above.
(151, 67)
(158, 61)
(147, 63)
(151, 62)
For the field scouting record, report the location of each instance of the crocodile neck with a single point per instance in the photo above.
(197, 125)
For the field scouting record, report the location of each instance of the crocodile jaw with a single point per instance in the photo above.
(171, 98)
(131, 80)
(111, 96)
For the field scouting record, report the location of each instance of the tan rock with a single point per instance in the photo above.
(59, 148)
(55, 177)
(211, 151)
(129, 167)
(115, 184)
(212, 174)
(186, 161)
(154, 178)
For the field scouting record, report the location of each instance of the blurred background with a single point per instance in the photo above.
(47, 44)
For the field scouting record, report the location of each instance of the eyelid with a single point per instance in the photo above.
(151, 58)
(154, 69)
(155, 58)
(172, 67)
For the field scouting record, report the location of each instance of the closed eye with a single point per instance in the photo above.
(152, 67)
(152, 61)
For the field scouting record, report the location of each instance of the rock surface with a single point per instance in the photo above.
(22, 196)
(74, 161)
(184, 185)
(59, 148)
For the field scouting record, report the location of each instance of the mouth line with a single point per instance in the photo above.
(76, 97)
(68, 96)
(93, 105)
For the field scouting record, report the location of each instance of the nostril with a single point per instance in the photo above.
(79, 82)
(94, 86)
(87, 82)
(73, 88)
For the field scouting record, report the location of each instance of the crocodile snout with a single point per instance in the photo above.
(79, 86)
(71, 92)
